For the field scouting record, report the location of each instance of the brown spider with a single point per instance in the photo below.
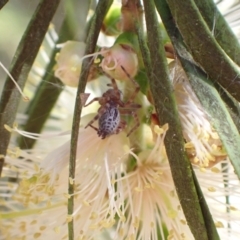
(109, 113)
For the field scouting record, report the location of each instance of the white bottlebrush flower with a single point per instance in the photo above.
(38, 209)
(136, 204)
(203, 144)
(221, 189)
(142, 201)
(151, 201)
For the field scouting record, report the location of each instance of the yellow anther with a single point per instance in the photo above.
(215, 170)
(57, 229)
(8, 128)
(69, 218)
(219, 224)
(211, 189)
(71, 181)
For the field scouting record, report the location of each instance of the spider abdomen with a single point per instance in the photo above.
(108, 122)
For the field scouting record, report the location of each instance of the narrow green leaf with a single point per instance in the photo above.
(211, 101)
(21, 65)
(211, 228)
(50, 88)
(220, 28)
(167, 112)
(177, 40)
(203, 46)
(183, 56)
(206, 93)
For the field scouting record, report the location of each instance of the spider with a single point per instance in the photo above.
(111, 109)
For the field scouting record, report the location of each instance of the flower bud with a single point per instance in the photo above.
(118, 56)
(69, 63)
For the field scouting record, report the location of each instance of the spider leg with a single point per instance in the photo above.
(133, 106)
(137, 89)
(137, 123)
(121, 126)
(93, 127)
(133, 113)
(93, 100)
(92, 121)
(114, 84)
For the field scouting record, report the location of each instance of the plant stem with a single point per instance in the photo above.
(21, 65)
(101, 10)
(167, 112)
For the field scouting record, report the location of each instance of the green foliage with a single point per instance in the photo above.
(111, 23)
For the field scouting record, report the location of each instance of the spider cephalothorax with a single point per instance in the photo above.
(112, 106)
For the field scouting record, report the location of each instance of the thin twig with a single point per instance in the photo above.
(96, 24)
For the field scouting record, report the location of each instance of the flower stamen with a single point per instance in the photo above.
(25, 98)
